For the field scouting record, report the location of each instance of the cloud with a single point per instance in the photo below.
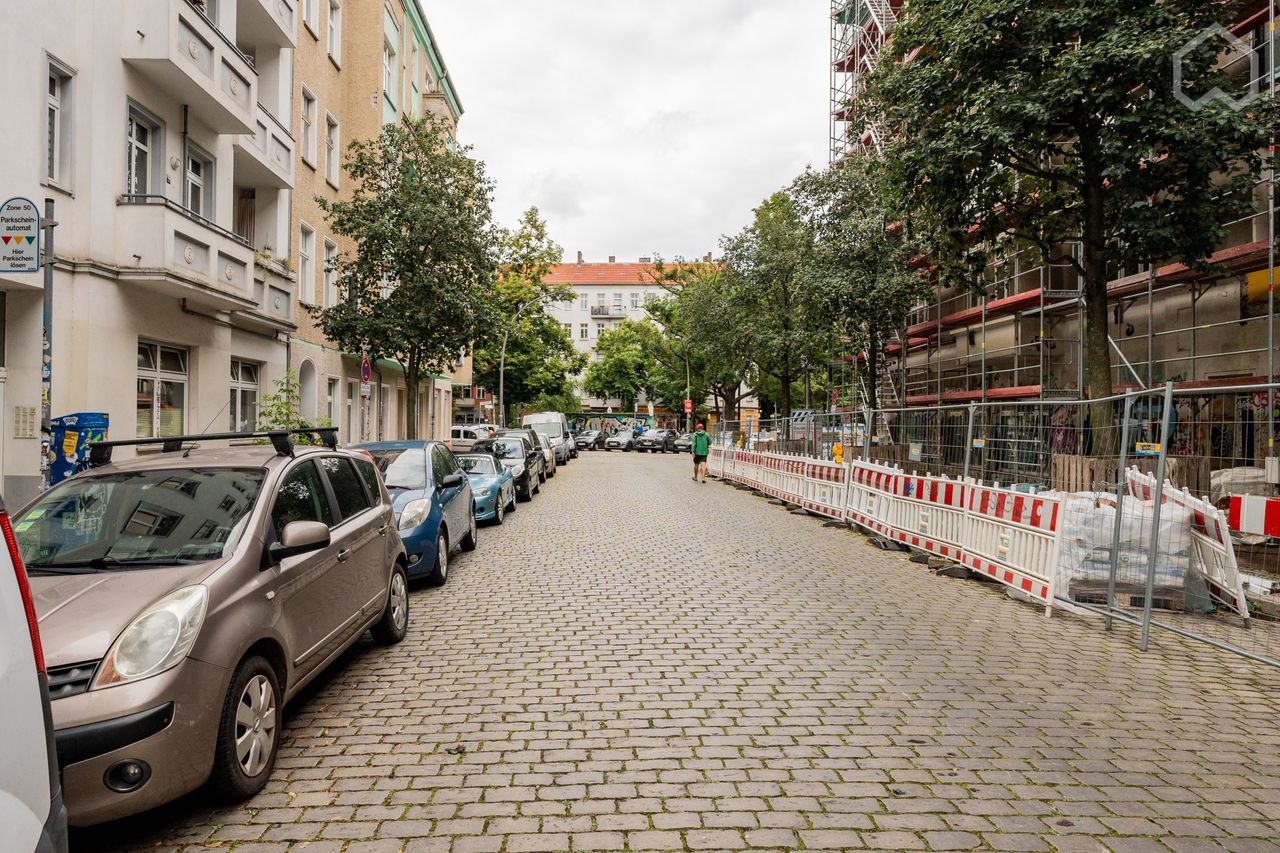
(639, 127)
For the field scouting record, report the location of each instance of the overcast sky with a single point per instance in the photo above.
(638, 127)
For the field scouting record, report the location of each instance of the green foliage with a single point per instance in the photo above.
(624, 368)
(1024, 124)
(283, 409)
(568, 403)
(419, 287)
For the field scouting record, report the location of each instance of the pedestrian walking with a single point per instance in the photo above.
(701, 448)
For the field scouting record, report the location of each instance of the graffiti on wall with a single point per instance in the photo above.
(610, 423)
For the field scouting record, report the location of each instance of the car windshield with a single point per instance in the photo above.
(402, 467)
(549, 429)
(653, 433)
(477, 464)
(161, 517)
(508, 448)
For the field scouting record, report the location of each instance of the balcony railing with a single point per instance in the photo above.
(615, 312)
(264, 158)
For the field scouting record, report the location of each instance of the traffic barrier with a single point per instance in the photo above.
(1013, 538)
(794, 485)
(930, 515)
(776, 478)
(872, 490)
(1254, 514)
(823, 485)
(1212, 553)
(716, 461)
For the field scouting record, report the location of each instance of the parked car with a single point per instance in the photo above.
(548, 455)
(462, 437)
(657, 441)
(31, 808)
(431, 496)
(524, 460)
(623, 439)
(492, 484)
(185, 597)
(549, 452)
(684, 444)
(555, 426)
(592, 439)
(573, 444)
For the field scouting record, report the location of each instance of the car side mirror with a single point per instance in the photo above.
(452, 480)
(299, 537)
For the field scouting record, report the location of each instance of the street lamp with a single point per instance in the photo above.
(502, 359)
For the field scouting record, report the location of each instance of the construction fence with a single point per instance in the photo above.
(1157, 507)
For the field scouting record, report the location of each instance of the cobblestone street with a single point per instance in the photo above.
(634, 661)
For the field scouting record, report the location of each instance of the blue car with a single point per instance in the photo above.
(433, 503)
(492, 485)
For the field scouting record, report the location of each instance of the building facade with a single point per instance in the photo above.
(162, 142)
(360, 64)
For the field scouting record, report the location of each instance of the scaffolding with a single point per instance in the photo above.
(1019, 335)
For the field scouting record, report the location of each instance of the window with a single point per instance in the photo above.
(388, 67)
(306, 263)
(582, 331)
(384, 395)
(369, 473)
(335, 31)
(300, 498)
(162, 390)
(308, 128)
(57, 118)
(582, 302)
(568, 329)
(351, 410)
(198, 182)
(635, 300)
(650, 297)
(244, 396)
(348, 488)
(599, 329)
(141, 151)
(331, 155)
(331, 401)
(617, 299)
(330, 274)
(600, 299)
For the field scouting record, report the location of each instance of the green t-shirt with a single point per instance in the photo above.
(701, 443)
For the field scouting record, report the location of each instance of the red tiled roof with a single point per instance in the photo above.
(600, 274)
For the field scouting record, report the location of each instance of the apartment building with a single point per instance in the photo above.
(1021, 340)
(359, 64)
(162, 141)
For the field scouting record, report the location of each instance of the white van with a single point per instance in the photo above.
(464, 436)
(555, 426)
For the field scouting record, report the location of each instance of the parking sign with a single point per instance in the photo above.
(19, 236)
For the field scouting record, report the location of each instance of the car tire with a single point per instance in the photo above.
(499, 511)
(255, 688)
(439, 575)
(537, 486)
(469, 541)
(394, 624)
(526, 493)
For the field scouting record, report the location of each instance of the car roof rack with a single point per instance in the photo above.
(281, 440)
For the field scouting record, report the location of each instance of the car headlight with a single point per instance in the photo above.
(482, 492)
(517, 471)
(414, 513)
(157, 640)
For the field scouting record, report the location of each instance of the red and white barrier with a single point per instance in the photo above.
(1013, 538)
(1212, 553)
(930, 515)
(824, 487)
(1253, 514)
(872, 490)
(778, 479)
(716, 461)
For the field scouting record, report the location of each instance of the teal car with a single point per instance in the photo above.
(492, 485)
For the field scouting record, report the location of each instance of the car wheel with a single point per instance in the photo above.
(537, 485)
(248, 731)
(469, 541)
(440, 571)
(394, 624)
(499, 510)
(525, 493)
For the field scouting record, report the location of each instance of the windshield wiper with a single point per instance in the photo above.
(103, 564)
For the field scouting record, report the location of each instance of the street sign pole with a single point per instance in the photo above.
(46, 350)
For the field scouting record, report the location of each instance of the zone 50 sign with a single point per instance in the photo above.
(19, 236)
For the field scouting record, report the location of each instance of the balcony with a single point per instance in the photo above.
(271, 21)
(176, 253)
(179, 50)
(264, 158)
(611, 312)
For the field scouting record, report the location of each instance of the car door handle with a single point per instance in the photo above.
(382, 531)
(343, 555)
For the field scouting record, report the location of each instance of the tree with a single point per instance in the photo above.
(772, 310)
(283, 410)
(623, 368)
(540, 357)
(418, 287)
(860, 263)
(1019, 123)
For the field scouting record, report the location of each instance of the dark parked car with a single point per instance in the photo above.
(684, 444)
(548, 453)
(592, 439)
(434, 507)
(657, 441)
(524, 459)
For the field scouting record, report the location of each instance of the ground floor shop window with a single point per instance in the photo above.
(162, 390)
(244, 396)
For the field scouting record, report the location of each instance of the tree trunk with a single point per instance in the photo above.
(411, 372)
(785, 412)
(1097, 344)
